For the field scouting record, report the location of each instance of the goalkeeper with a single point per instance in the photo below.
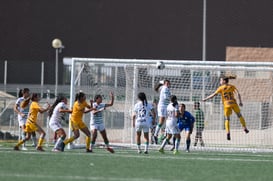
(185, 122)
(227, 92)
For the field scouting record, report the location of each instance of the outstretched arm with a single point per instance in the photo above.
(210, 96)
(42, 110)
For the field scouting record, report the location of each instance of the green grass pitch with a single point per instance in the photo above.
(128, 165)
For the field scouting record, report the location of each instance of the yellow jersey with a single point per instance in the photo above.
(227, 93)
(78, 110)
(33, 112)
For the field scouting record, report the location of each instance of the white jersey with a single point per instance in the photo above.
(164, 98)
(57, 116)
(150, 108)
(97, 118)
(25, 110)
(171, 123)
(142, 112)
(142, 115)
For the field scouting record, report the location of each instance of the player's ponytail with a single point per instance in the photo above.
(76, 97)
(157, 86)
(142, 97)
(228, 76)
(57, 101)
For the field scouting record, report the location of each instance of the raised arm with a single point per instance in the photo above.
(112, 100)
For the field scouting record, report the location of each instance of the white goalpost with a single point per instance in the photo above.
(190, 81)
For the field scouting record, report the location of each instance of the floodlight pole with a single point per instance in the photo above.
(204, 47)
(204, 30)
(57, 44)
(56, 71)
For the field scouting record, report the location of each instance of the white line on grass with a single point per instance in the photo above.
(166, 156)
(66, 177)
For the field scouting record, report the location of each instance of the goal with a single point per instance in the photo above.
(190, 81)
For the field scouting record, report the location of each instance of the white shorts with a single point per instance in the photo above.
(55, 125)
(150, 122)
(162, 111)
(22, 121)
(142, 125)
(99, 127)
(171, 127)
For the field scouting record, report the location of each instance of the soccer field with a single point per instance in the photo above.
(128, 165)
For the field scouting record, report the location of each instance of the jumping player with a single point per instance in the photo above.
(227, 92)
(164, 100)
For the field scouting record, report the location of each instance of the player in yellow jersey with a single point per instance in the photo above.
(76, 121)
(31, 123)
(227, 92)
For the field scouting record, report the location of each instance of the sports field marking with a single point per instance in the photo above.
(65, 177)
(182, 156)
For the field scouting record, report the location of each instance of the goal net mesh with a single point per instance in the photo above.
(190, 82)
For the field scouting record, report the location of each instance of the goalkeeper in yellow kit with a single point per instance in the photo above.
(227, 92)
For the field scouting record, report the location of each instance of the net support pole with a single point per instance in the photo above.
(135, 90)
(72, 92)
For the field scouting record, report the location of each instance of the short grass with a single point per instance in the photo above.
(128, 165)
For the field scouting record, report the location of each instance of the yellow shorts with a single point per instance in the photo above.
(30, 127)
(228, 109)
(77, 125)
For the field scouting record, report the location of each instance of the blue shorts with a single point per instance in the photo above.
(182, 126)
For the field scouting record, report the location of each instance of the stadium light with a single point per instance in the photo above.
(57, 44)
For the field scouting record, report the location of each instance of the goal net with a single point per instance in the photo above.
(190, 81)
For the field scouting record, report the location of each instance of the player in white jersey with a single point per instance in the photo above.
(164, 100)
(96, 121)
(23, 114)
(141, 121)
(56, 114)
(171, 125)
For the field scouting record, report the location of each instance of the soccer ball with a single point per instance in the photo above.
(160, 65)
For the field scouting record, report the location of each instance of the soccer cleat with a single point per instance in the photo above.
(175, 152)
(16, 148)
(139, 151)
(172, 148)
(187, 150)
(146, 152)
(55, 150)
(161, 150)
(246, 130)
(24, 148)
(39, 148)
(228, 136)
(110, 150)
(89, 151)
